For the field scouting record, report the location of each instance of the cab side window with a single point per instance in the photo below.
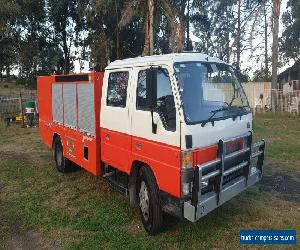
(165, 101)
(117, 89)
(143, 98)
(165, 105)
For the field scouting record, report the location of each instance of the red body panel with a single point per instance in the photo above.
(116, 149)
(164, 161)
(44, 93)
(73, 140)
(121, 151)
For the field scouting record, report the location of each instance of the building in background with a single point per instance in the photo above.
(289, 80)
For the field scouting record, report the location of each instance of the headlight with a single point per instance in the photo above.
(186, 189)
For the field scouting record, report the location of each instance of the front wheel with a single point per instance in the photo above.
(150, 209)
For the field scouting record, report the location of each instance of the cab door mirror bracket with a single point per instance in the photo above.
(151, 84)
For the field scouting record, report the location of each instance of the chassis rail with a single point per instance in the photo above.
(201, 204)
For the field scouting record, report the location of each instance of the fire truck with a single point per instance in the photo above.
(171, 132)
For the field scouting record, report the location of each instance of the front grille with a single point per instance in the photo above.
(234, 153)
(232, 147)
(213, 175)
(232, 176)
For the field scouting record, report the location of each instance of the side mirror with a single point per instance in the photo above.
(151, 82)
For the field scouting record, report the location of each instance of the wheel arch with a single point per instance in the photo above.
(133, 177)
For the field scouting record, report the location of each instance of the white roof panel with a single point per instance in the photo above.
(162, 59)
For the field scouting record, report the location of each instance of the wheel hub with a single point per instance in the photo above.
(144, 200)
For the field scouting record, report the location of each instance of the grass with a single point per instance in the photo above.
(41, 208)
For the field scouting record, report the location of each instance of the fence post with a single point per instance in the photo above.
(253, 99)
(21, 107)
(281, 103)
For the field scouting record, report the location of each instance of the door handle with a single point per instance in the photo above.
(107, 136)
(138, 145)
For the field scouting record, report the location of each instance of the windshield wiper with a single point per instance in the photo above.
(214, 112)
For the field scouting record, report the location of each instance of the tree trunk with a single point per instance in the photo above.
(238, 40)
(151, 41)
(176, 23)
(276, 14)
(147, 39)
(117, 34)
(227, 43)
(188, 47)
(66, 53)
(7, 71)
(266, 43)
(148, 46)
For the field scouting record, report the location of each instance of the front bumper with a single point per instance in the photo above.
(201, 203)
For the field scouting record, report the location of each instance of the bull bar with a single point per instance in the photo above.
(200, 203)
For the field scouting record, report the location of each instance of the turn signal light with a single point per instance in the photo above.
(186, 159)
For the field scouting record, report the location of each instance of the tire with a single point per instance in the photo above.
(149, 205)
(63, 165)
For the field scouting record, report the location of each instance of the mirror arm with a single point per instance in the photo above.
(154, 126)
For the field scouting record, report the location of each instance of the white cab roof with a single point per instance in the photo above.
(162, 59)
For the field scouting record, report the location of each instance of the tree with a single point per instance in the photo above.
(202, 21)
(290, 40)
(105, 40)
(68, 26)
(266, 41)
(275, 19)
(149, 7)
(246, 10)
(260, 28)
(8, 54)
(31, 26)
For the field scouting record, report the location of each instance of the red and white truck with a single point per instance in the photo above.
(173, 132)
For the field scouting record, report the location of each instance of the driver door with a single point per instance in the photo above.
(162, 146)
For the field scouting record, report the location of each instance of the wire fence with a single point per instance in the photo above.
(12, 104)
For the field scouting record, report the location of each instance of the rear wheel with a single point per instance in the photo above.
(63, 165)
(150, 209)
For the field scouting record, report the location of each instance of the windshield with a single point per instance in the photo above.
(210, 91)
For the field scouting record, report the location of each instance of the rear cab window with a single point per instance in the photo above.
(117, 89)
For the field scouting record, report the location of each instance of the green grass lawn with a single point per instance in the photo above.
(41, 208)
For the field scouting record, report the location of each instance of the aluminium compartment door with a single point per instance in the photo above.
(115, 119)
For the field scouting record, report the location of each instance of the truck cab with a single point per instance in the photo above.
(179, 127)
(185, 117)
